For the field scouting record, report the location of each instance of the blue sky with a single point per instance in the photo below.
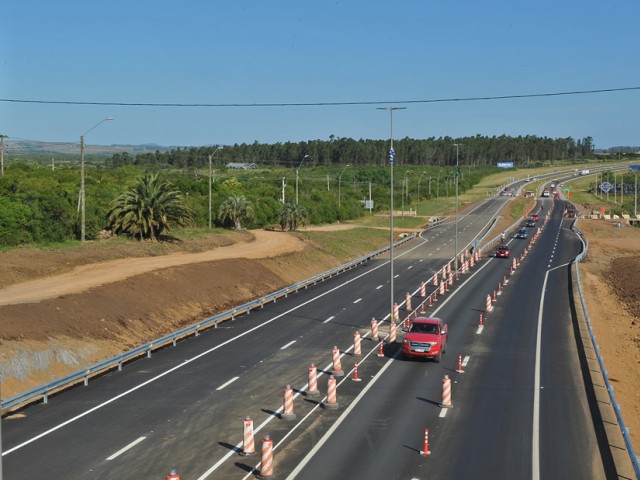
(216, 52)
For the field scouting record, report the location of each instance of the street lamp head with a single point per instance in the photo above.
(109, 118)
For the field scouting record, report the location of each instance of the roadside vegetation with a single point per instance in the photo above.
(39, 205)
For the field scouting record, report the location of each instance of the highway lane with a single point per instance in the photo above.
(174, 416)
(500, 426)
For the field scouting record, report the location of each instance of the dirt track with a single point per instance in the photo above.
(266, 244)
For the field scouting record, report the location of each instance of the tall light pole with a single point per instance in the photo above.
(419, 180)
(303, 158)
(634, 169)
(455, 262)
(339, 191)
(429, 186)
(404, 191)
(82, 201)
(2, 137)
(211, 180)
(391, 162)
(283, 185)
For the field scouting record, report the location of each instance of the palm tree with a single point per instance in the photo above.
(147, 209)
(237, 209)
(292, 215)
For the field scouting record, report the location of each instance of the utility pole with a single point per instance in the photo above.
(283, 179)
(2, 137)
(211, 180)
(53, 164)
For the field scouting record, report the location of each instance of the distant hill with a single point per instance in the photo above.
(34, 147)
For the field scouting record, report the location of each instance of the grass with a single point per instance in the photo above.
(348, 244)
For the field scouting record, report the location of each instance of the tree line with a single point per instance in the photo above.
(479, 150)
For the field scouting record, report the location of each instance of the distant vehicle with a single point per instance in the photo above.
(522, 233)
(545, 192)
(557, 194)
(584, 172)
(426, 338)
(530, 223)
(503, 251)
(535, 217)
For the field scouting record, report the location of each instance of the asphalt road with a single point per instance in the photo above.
(183, 408)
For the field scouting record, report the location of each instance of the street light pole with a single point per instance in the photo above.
(455, 262)
(419, 180)
(303, 158)
(82, 195)
(391, 162)
(2, 137)
(339, 189)
(210, 180)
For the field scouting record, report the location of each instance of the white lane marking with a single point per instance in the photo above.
(396, 276)
(358, 300)
(409, 267)
(122, 450)
(288, 345)
(465, 361)
(378, 287)
(421, 260)
(443, 412)
(480, 329)
(226, 384)
(329, 319)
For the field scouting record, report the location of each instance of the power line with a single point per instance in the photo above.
(322, 104)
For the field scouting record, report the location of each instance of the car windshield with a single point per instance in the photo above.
(424, 328)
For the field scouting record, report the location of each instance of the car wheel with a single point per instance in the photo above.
(438, 358)
(444, 348)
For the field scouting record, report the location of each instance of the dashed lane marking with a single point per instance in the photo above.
(224, 385)
(128, 447)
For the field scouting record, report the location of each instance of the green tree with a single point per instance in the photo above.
(148, 209)
(292, 215)
(237, 209)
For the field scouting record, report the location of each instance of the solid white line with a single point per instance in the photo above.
(288, 344)
(227, 383)
(337, 423)
(329, 319)
(535, 443)
(358, 300)
(122, 450)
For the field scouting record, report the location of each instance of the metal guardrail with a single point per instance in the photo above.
(623, 429)
(44, 391)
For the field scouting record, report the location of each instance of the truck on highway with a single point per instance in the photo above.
(584, 171)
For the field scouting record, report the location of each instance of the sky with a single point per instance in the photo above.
(380, 53)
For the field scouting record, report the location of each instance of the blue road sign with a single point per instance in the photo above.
(634, 168)
(391, 155)
(606, 187)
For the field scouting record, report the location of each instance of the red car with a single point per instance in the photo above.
(503, 251)
(426, 338)
(535, 217)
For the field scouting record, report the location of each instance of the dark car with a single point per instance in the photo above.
(522, 233)
(503, 251)
(530, 223)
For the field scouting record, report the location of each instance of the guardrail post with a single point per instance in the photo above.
(233, 315)
(86, 377)
(149, 350)
(174, 338)
(120, 366)
(286, 292)
(45, 398)
(197, 331)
